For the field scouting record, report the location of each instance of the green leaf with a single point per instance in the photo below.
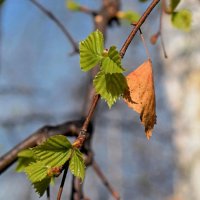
(110, 86)
(27, 153)
(73, 6)
(55, 151)
(112, 63)
(91, 50)
(76, 164)
(182, 19)
(130, 16)
(25, 157)
(41, 186)
(143, 1)
(174, 4)
(36, 171)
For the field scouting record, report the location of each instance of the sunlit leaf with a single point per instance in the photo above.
(55, 151)
(110, 86)
(36, 171)
(72, 5)
(91, 50)
(25, 157)
(76, 164)
(112, 63)
(182, 19)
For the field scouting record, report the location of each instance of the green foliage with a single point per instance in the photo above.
(73, 6)
(130, 16)
(91, 50)
(110, 86)
(182, 19)
(25, 157)
(55, 151)
(174, 4)
(143, 1)
(41, 186)
(112, 63)
(44, 162)
(76, 164)
(110, 83)
(36, 171)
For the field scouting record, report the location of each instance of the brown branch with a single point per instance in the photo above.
(68, 128)
(78, 143)
(58, 23)
(137, 26)
(41, 135)
(82, 135)
(104, 180)
(101, 22)
(77, 189)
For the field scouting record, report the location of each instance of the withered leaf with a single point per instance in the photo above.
(141, 95)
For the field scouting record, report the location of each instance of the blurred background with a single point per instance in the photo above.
(40, 83)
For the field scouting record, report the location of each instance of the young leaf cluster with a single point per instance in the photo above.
(180, 19)
(109, 82)
(45, 162)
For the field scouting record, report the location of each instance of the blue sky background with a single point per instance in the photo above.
(41, 84)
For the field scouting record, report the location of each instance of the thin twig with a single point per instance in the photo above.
(57, 22)
(137, 26)
(158, 34)
(63, 181)
(48, 193)
(103, 178)
(68, 128)
(78, 143)
(160, 30)
(77, 189)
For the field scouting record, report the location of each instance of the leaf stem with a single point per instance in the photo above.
(144, 43)
(137, 26)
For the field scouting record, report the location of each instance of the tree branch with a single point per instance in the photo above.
(71, 128)
(82, 134)
(68, 128)
(58, 23)
(101, 21)
(137, 26)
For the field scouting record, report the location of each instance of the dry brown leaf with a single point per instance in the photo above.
(141, 95)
